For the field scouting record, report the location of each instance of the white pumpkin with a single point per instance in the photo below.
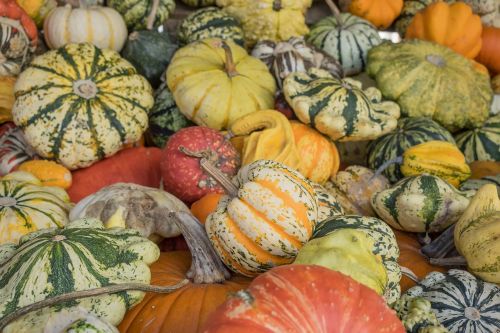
(102, 26)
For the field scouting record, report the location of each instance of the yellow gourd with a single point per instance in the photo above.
(37, 9)
(50, 173)
(6, 98)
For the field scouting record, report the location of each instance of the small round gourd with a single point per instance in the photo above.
(139, 14)
(381, 13)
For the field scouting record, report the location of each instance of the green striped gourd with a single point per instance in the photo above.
(475, 184)
(210, 22)
(26, 205)
(77, 320)
(338, 108)
(347, 38)
(408, 133)
(422, 203)
(384, 245)
(165, 118)
(199, 3)
(328, 205)
(137, 12)
(482, 143)
(462, 303)
(79, 104)
(84, 255)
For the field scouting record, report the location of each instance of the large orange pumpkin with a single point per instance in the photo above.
(379, 12)
(452, 25)
(490, 50)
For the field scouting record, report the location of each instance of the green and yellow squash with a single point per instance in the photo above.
(79, 104)
(338, 108)
(83, 255)
(430, 80)
(417, 315)
(139, 14)
(482, 143)
(328, 204)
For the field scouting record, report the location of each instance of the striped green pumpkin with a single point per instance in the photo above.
(339, 108)
(462, 303)
(483, 143)
(409, 132)
(210, 22)
(136, 12)
(79, 104)
(328, 205)
(199, 3)
(348, 41)
(83, 255)
(165, 118)
(384, 245)
(422, 203)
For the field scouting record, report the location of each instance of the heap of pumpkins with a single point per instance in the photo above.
(249, 172)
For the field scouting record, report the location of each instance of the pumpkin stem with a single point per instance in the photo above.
(277, 5)
(206, 266)
(115, 288)
(452, 261)
(440, 246)
(152, 14)
(409, 274)
(335, 11)
(385, 165)
(230, 65)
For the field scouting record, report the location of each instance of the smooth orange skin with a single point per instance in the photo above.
(50, 173)
(452, 25)
(480, 169)
(205, 206)
(380, 13)
(490, 50)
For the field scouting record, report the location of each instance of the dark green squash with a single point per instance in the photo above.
(482, 143)
(150, 53)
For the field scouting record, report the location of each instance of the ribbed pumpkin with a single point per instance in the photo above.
(319, 157)
(210, 22)
(379, 12)
(79, 104)
(81, 256)
(265, 220)
(6, 97)
(426, 91)
(214, 82)
(477, 233)
(139, 13)
(26, 205)
(340, 109)
(410, 8)
(13, 148)
(269, 19)
(49, 173)
(37, 9)
(103, 27)
(490, 49)
(458, 28)
(482, 143)
(408, 133)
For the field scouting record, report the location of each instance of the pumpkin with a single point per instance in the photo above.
(214, 82)
(48, 172)
(269, 19)
(340, 109)
(439, 68)
(6, 97)
(13, 148)
(267, 135)
(490, 49)
(26, 205)
(342, 305)
(137, 207)
(410, 8)
(180, 166)
(409, 132)
(165, 118)
(476, 184)
(328, 205)
(81, 256)
(134, 165)
(198, 3)
(18, 38)
(93, 103)
(461, 302)
(319, 157)
(477, 233)
(480, 169)
(417, 316)
(205, 206)
(265, 219)
(381, 13)
(354, 187)
(423, 203)
(150, 52)
(210, 22)
(346, 37)
(77, 320)
(37, 9)
(188, 308)
(294, 55)
(459, 28)
(139, 14)
(382, 244)
(482, 143)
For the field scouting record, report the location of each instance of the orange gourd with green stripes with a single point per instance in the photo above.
(265, 221)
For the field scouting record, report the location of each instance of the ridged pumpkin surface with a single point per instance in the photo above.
(482, 143)
(79, 104)
(379, 12)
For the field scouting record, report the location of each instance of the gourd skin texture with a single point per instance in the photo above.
(430, 80)
(77, 320)
(136, 12)
(340, 109)
(482, 143)
(269, 19)
(14, 149)
(207, 95)
(379, 12)
(50, 173)
(328, 205)
(477, 234)
(6, 97)
(37, 9)
(421, 204)
(81, 256)
(490, 49)
(79, 104)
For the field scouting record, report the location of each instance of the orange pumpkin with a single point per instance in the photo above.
(319, 157)
(379, 12)
(452, 25)
(6, 97)
(50, 173)
(490, 50)
(205, 206)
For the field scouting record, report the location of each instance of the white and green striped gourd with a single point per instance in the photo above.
(482, 143)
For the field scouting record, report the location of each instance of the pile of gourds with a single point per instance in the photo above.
(249, 170)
